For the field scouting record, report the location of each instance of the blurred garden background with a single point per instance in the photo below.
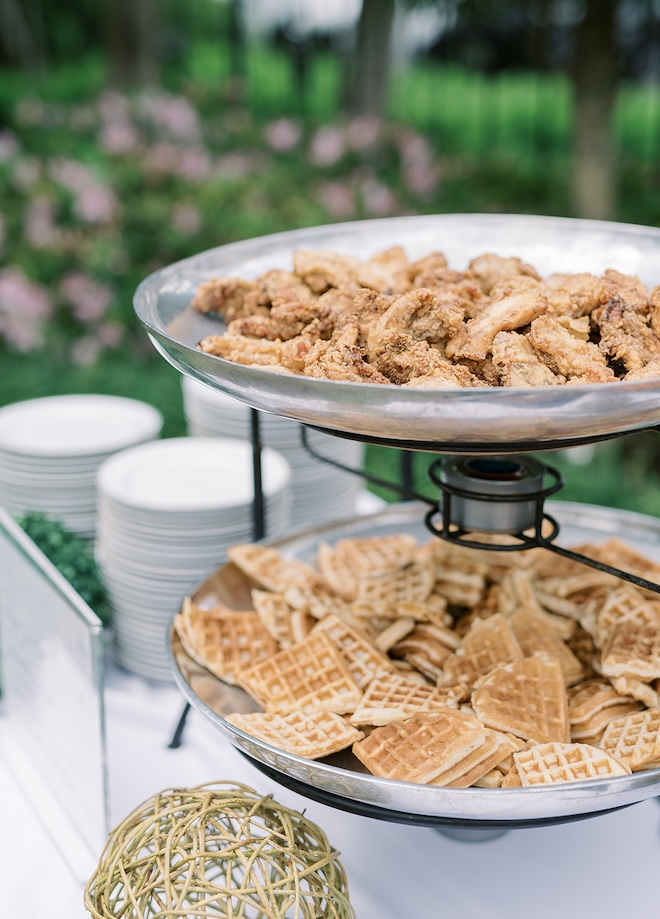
(137, 132)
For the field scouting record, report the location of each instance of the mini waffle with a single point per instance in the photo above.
(646, 693)
(391, 697)
(633, 646)
(427, 647)
(287, 626)
(477, 764)
(591, 707)
(312, 736)
(267, 568)
(488, 643)
(422, 747)
(374, 556)
(635, 740)
(626, 601)
(534, 633)
(337, 572)
(361, 657)
(393, 633)
(224, 640)
(526, 698)
(412, 584)
(550, 763)
(310, 676)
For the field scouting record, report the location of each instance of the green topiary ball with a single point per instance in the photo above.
(218, 850)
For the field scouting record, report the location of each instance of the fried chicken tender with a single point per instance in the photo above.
(385, 272)
(420, 313)
(401, 358)
(627, 286)
(625, 336)
(423, 324)
(650, 371)
(342, 358)
(242, 350)
(434, 261)
(285, 321)
(654, 308)
(321, 269)
(224, 297)
(567, 355)
(489, 270)
(573, 295)
(518, 364)
(515, 303)
(457, 286)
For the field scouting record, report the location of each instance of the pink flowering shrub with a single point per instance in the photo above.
(101, 192)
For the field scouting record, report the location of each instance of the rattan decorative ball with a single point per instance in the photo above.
(218, 850)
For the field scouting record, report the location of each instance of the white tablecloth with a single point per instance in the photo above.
(604, 867)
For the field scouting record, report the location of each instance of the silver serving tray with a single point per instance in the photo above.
(342, 777)
(504, 418)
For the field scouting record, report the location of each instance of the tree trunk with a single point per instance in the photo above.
(131, 41)
(595, 81)
(18, 43)
(368, 83)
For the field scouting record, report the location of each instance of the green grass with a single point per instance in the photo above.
(146, 376)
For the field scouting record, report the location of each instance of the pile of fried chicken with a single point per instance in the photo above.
(423, 324)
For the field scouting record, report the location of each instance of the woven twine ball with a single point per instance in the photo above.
(218, 850)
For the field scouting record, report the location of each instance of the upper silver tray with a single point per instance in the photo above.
(498, 419)
(342, 775)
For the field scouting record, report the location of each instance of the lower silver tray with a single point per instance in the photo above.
(340, 780)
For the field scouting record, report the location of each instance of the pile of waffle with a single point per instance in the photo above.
(441, 664)
(387, 319)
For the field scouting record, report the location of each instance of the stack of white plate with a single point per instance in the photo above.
(168, 511)
(51, 449)
(320, 491)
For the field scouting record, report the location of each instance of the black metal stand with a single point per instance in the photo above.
(259, 522)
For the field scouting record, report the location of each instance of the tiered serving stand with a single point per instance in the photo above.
(484, 434)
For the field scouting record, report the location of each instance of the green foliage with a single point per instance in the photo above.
(72, 557)
(209, 160)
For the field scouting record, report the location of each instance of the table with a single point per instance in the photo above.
(604, 867)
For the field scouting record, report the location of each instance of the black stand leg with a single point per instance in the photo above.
(177, 737)
(258, 506)
(258, 532)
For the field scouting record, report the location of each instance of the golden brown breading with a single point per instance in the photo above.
(434, 261)
(625, 336)
(385, 272)
(342, 358)
(489, 270)
(650, 372)
(321, 269)
(275, 287)
(567, 355)
(573, 294)
(401, 358)
(654, 308)
(224, 297)
(422, 323)
(286, 321)
(515, 303)
(242, 350)
(457, 286)
(627, 286)
(518, 364)
(420, 313)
